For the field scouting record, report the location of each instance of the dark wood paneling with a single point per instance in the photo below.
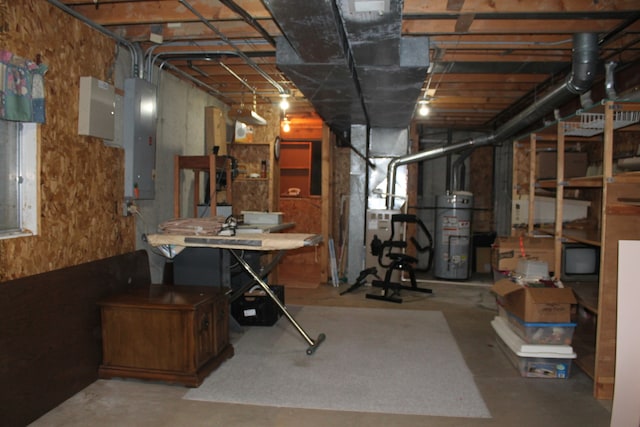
(50, 332)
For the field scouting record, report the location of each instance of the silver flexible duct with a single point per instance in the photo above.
(584, 63)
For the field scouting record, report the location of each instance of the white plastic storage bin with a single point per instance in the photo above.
(533, 360)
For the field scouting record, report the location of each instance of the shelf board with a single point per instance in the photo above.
(627, 177)
(200, 163)
(584, 345)
(250, 179)
(581, 182)
(545, 230)
(586, 362)
(595, 181)
(547, 183)
(588, 236)
(586, 294)
(624, 208)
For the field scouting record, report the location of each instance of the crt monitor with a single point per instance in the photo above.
(580, 263)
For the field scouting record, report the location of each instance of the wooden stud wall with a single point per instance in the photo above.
(82, 179)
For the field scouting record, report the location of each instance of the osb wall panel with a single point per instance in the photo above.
(266, 134)
(481, 185)
(82, 180)
(253, 196)
(301, 267)
(250, 194)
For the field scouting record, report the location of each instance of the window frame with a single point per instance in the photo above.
(29, 172)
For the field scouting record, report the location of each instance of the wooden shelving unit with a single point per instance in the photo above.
(295, 167)
(615, 215)
(209, 164)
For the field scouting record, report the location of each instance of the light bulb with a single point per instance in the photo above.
(284, 102)
(285, 126)
(424, 109)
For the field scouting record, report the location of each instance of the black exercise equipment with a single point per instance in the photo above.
(361, 279)
(391, 256)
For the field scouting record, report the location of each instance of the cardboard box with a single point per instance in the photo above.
(575, 164)
(552, 305)
(506, 251)
(483, 260)
(545, 210)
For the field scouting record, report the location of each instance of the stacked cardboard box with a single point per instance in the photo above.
(507, 251)
(534, 328)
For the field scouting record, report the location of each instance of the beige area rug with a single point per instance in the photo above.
(373, 360)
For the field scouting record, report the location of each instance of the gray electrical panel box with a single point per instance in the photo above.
(96, 113)
(139, 138)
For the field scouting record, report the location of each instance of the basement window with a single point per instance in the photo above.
(19, 175)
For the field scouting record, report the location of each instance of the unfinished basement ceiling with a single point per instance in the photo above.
(477, 62)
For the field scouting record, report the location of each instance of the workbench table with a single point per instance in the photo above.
(172, 244)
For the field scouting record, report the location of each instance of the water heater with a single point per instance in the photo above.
(453, 235)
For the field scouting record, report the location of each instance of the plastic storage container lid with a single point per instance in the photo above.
(522, 349)
(540, 324)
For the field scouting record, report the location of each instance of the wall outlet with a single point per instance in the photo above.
(128, 208)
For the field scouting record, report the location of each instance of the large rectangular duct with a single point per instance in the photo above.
(391, 69)
(350, 62)
(329, 86)
(314, 54)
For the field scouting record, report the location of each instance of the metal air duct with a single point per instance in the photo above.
(584, 63)
(350, 61)
(314, 54)
(390, 69)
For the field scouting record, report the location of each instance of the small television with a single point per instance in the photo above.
(580, 263)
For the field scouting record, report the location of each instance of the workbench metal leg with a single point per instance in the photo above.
(264, 272)
(313, 344)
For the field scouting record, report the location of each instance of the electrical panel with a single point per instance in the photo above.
(139, 138)
(96, 115)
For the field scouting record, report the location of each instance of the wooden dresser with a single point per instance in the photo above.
(177, 334)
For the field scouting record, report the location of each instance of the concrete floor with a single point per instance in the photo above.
(511, 399)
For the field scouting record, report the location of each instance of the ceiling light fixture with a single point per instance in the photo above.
(286, 127)
(423, 108)
(248, 116)
(284, 101)
(366, 6)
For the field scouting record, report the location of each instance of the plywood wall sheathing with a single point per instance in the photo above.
(82, 179)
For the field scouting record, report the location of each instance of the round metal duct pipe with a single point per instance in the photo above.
(584, 64)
